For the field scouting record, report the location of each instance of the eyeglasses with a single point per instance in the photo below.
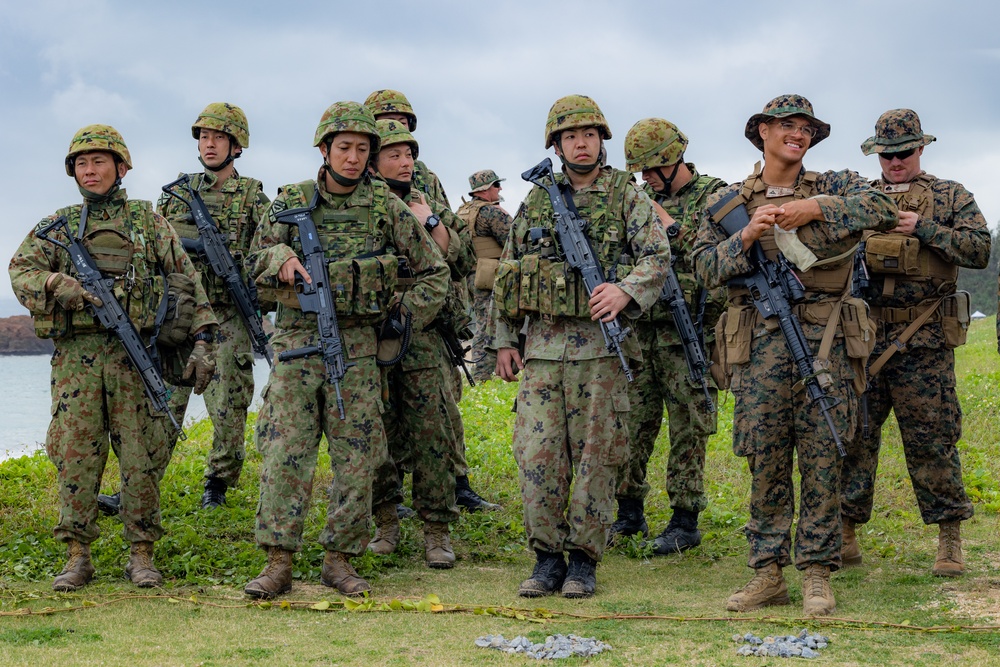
(808, 130)
(902, 155)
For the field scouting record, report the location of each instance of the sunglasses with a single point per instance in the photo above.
(902, 155)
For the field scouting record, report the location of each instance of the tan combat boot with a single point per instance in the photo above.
(275, 578)
(817, 596)
(386, 529)
(950, 562)
(767, 588)
(850, 550)
(140, 569)
(78, 571)
(340, 574)
(437, 545)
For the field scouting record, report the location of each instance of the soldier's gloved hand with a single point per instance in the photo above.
(69, 293)
(202, 364)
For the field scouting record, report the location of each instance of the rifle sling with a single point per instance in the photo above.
(900, 342)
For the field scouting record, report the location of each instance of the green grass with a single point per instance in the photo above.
(202, 618)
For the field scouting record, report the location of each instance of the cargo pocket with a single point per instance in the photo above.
(617, 452)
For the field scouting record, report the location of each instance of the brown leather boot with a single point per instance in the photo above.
(140, 569)
(850, 550)
(340, 574)
(78, 571)
(437, 545)
(275, 578)
(817, 595)
(950, 562)
(767, 588)
(386, 529)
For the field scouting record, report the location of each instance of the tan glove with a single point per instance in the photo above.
(69, 293)
(202, 364)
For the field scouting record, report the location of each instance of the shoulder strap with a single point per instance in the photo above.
(900, 343)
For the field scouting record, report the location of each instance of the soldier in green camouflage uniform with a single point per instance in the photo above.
(656, 148)
(490, 225)
(573, 401)
(774, 420)
(364, 230)
(237, 205)
(422, 396)
(921, 320)
(98, 398)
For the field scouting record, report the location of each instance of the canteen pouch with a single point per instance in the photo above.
(892, 254)
(507, 290)
(955, 316)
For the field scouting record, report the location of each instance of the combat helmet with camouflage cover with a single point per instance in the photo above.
(224, 117)
(392, 132)
(897, 130)
(652, 143)
(784, 106)
(574, 111)
(347, 117)
(97, 138)
(391, 101)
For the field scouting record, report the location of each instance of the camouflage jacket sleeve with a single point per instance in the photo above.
(32, 264)
(426, 296)
(174, 259)
(495, 222)
(957, 230)
(461, 257)
(270, 247)
(649, 241)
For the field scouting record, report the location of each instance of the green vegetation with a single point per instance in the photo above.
(652, 610)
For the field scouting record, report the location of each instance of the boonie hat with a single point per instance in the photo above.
(897, 130)
(483, 180)
(784, 106)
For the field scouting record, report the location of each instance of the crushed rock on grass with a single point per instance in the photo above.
(555, 647)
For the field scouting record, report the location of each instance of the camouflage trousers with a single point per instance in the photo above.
(299, 408)
(772, 424)
(458, 453)
(227, 398)
(570, 423)
(917, 384)
(98, 400)
(662, 380)
(420, 430)
(484, 359)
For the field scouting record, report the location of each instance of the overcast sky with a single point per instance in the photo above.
(481, 77)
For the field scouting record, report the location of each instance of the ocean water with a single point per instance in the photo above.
(25, 402)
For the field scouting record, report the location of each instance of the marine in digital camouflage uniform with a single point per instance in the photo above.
(490, 225)
(916, 380)
(656, 147)
(237, 205)
(98, 398)
(774, 420)
(422, 396)
(364, 228)
(570, 432)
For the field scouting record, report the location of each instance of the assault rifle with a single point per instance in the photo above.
(213, 251)
(455, 350)
(317, 298)
(111, 315)
(569, 228)
(774, 287)
(694, 352)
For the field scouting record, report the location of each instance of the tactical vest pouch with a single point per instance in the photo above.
(180, 308)
(375, 283)
(894, 254)
(507, 290)
(559, 290)
(530, 274)
(486, 270)
(341, 275)
(51, 325)
(737, 332)
(859, 329)
(720, 369)
(955, 316)
(486, 247)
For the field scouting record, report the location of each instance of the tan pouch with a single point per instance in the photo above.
(486, 272)
(720, 370)
(859, 329)
(955, 317)
(737, 334)
(892, 254)
(507, 289)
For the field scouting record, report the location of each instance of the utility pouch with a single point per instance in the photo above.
(955, 316)
(859, 329)
(507, 290)
(486, 271)
(737, 334)
(176, 326)
(393, 335)
(341, 275)
(530, 274)
(720, 370)
(557, 289)
(894, 254)
(370, 283)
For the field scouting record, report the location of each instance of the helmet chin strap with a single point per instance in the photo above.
(579, 168)
(225, 163)
(668, 181)
(96, 198)
(341, 179)
(401, 187)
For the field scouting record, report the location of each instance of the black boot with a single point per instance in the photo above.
(680, 534)
(546, 578)
(215, 494)
(109, 505)
(469, 499)
(631, 520)
(581, 578)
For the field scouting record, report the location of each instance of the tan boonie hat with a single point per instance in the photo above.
(784, 106)
(483, 180)
(897, 130)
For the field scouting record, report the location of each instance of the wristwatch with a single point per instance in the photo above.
(204, 337)
(432, 222)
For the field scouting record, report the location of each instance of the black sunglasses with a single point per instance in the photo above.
(902, 155)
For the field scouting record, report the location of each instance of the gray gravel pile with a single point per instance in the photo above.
(803, 645)
(554, 648)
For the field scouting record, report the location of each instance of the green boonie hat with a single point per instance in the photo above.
(393, 132)
(391, 101)
(97, 138)
(652, 143)
(347, 117)
(574, 111)
(483, 180)
(224, 117)
(784, 106)
(897, 130)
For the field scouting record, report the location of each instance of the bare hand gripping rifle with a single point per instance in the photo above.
(111, 315)
(773, 288)
(316, 297)
(213, 251)
(694, 351)
(579, 254)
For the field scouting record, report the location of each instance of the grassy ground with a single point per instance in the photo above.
(654, 611)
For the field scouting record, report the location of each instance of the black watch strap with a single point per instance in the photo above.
(204, 336)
